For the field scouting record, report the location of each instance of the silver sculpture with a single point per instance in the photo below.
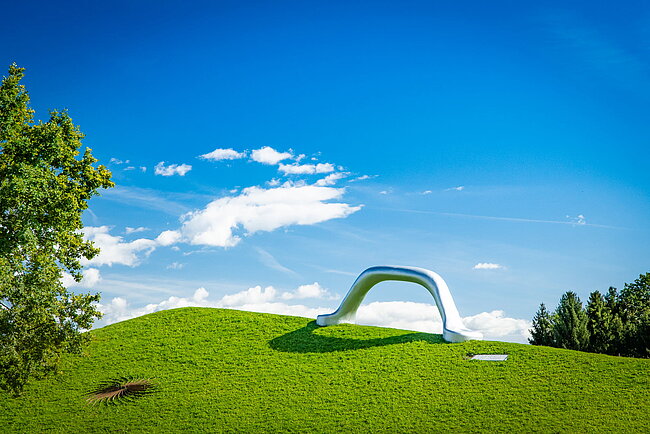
(453, 329)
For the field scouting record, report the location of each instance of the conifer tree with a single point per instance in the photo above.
(599, 324)
(570, 325)
(635, 314)
(542, 331)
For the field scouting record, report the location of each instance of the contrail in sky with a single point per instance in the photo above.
(507, 219)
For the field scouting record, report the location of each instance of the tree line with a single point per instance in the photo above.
(616, 323)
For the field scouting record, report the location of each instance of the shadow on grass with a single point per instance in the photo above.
(304, 340)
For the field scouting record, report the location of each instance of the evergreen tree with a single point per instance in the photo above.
(616, 344)
(635, 313)
(542, 331)
(570, 325)
(599, 324)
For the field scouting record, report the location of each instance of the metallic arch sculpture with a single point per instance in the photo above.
(453, 329)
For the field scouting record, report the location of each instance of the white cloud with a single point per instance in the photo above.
(223, 154)
(363, 178)
(172, 169)
(488, 266)
(258, 209)
(426, 318)
(459, 188)
(495, 325)
(269, 260)
(112, 248)
(254, 295)
(167, 238)
(91, 277)
(308, 291)
(268, 155)
(118, 309)
(425, 192)
(130, 230)
(395, 314)
(331, 179)
(255, 299)
(384, 192)
(579, 220)
(306, 169)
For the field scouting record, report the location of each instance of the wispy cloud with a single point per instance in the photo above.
(145, 198)
(269, 260)
(363, 178)
(598, 50)
(581, 222)
(459, 188)
(130, 230)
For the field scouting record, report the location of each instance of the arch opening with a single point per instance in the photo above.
(453, 329)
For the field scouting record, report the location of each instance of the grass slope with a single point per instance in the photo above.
(224, 370)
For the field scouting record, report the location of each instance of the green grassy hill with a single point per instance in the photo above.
(224, 370)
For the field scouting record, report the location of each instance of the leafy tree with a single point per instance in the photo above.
(599, 324)
(570, 326)
(542, 331)
(44, 188)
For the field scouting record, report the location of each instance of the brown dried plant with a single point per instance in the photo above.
(120, 389)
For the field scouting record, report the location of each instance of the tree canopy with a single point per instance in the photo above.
(616, 323)
(44, 189)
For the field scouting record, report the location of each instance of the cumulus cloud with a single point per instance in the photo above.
(223, 154)
(255, 299)
(305, 169)
(268, 155)
(395, 314)
(258, 209)
(488, 266)
(172, 169)
(426, 318)
(331, 179)
(113, 249)
(167, 238)
(91, 277)
(308, 291)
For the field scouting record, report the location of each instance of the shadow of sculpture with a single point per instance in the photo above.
(304, 340)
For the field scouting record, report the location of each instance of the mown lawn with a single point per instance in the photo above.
(225, 370)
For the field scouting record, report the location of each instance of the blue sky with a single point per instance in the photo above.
(504, 146)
